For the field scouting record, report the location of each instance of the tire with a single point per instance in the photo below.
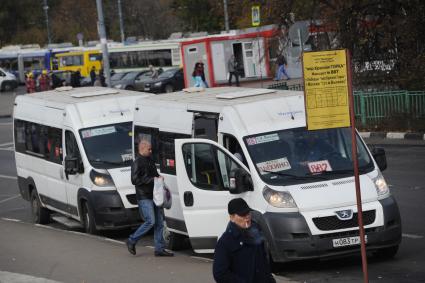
(129, 87)
(87, 219)
(169, 88)
(40, 215)
(386, 253)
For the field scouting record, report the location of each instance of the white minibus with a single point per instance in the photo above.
(73, 154)
(221, 143)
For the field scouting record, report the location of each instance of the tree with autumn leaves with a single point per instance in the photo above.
(385, 37)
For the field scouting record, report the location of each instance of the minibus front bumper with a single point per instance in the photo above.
(110, 213)
(289, 237)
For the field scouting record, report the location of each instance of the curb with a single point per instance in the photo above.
(393, 135)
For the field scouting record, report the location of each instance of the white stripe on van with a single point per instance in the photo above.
(5, 200)
(412, 236)
(8, 177)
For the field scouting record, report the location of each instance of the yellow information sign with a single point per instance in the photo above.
(326, 89)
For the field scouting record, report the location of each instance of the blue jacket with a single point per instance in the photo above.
(239, 258)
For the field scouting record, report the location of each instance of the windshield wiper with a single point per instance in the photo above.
(332, 172)
(295, 177)
(107, 162)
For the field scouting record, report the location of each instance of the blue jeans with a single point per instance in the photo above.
(281, 71)
(154, 217)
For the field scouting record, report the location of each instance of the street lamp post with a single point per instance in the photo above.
(103, 42)
(121, 21)
(226, 16)
(46, 14)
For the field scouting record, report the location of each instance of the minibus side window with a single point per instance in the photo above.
(207, 167)
(201, 167)
(167, 155)
(39, 140)
(206, 128)
(54, 145)
(20, 144)
(71, 145)
(232, 145)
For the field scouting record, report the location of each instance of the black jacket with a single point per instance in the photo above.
(238, 259)
(143, 172)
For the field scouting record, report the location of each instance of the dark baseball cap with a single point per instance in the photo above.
(238, 206)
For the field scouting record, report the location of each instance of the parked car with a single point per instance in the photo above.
(118, 76)
(8, 80)
(132, 80)
(169, 81)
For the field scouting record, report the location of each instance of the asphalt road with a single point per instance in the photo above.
(405, 174)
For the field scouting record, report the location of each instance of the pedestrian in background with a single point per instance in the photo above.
(30, 83)
(102, 78)
(44, 81)
(93, 75)
(281, 65)
(154, 71)
(240, 254)
(76, 78)
(143, 174)
(198, 75)
(232, 66)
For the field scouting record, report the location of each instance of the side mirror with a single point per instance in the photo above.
(378, 154)
(240, 181)
(73, 165)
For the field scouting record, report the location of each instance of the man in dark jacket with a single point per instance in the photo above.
(240, 255)
(93, 75)
(143, 173)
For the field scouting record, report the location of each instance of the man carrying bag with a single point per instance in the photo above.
(143, 174)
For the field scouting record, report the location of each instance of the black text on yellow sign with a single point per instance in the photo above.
(326, 89)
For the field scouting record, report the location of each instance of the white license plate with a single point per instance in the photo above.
(147, 88)
(349, 241)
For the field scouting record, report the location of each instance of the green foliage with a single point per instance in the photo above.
(198, 15)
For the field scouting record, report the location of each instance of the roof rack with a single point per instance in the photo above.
(244, 93)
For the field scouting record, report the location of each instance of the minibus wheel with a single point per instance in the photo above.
(88, 219)
(40, 215)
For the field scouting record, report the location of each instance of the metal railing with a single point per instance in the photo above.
(373, 107)
(285, 86)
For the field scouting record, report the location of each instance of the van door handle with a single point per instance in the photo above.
(188, 198)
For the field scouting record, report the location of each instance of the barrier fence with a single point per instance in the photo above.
(372, 107)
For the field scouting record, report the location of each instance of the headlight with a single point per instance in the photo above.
(118, 86)
(381, 185)
(279, 199)
(101, 180)
(158, 84)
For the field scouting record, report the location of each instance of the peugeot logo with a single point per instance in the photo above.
(344, 214)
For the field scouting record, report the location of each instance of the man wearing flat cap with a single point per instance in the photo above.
(240, 255)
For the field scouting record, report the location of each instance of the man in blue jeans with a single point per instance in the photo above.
(143, 174)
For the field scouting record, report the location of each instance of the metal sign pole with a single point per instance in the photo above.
(356, 172)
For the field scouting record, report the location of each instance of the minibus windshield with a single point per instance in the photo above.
(297, 156)
(108, 146)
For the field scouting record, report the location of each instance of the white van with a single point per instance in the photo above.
(73, 154)
(8, 81)
(222, 143)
